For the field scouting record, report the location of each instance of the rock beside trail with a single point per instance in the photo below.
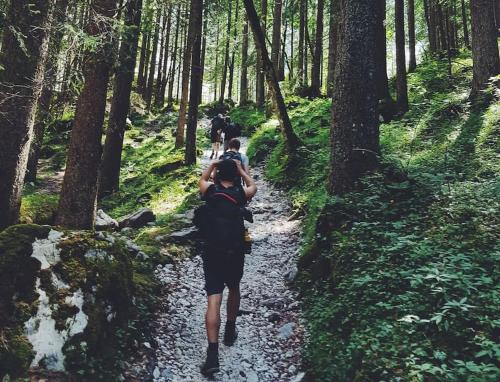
(104, 222)
(137, 219)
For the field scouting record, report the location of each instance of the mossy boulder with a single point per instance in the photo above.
(77, 288)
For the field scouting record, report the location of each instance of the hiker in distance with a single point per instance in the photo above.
(218, 126)
(231, 130)
(222, 226)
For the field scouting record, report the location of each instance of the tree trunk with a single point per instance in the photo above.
(465, 27)
(354, 133)
(120, 104)
(412, 65)
(162, 64)
(259, 75)
(170, 98)
(233, 54)
(196, 83)
(142, 90)
(302, 28)
(318, 52)
(291, 139)
(486, 63)
(244, 65)
(22, 60)
(203, 49)
(333, 36)
(276, 37)
(142, 63)
(45, 99)
(148, 95)
(401, 84)
(77, 203)
(186, 67)
(226, 55)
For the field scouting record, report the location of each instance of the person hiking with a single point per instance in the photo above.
(233, 152)
(223, 258)
(218, 126)
(231, 131)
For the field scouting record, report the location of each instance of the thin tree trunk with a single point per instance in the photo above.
(259, 75)
(226, 56)
(186, 67)
(77, 203)
(291, 139)
(111, 160)
(318, 52)
(486, 63)
(233, 54)
(465, 27)
(204, 47)
(181, 54)
(146, 65)
(276, 36)
(196, 83)
(411, 36)
(244, 65)
(170, 98)
(160, 76)
(401, 84)
(151, 76)
(354, 133)
(302, 26)
(333, 36)
(21, 78)
(46, 96)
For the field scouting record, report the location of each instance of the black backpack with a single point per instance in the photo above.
(236, 156)
(220, 219)
(232, 131)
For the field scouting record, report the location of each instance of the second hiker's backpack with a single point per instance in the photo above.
(220, 220)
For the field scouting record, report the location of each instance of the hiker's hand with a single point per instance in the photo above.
(239, 166)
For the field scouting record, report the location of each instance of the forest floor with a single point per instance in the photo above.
(270, 329)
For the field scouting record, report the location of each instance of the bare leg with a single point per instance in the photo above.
(212, 317)
(233, 304)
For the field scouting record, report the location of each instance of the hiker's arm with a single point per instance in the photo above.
(204, 182)
(251, 188)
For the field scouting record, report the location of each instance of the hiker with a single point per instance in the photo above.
(218, 126)
(233, 152)
(223, 259)
(232, 130)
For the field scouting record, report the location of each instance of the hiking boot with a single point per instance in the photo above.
(211, 365)
(230, 335)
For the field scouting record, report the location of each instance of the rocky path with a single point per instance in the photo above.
(270, 330)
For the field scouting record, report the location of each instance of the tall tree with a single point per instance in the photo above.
(318, 51)
(45, 100)
(354, 132)
(291, 139)
(412, 64)
(301, 48)
(259, 70)
(233, 53)
(244, 65)
(186, 68)
(223, 83)
(401, 83)
(77, 203)
(333, 35)
(170, 97)
(120, 104)
(22, 59)
(148, 94)
(276, 34)
(196, 84)
(486, 63)
(465, 26)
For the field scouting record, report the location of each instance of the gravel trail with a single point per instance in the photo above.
(270, 329)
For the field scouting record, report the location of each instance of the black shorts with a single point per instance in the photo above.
(222, 269)
(214, 138)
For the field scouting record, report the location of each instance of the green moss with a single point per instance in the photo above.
(249, 117)
(16, 353)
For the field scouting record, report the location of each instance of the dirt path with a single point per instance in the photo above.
(270, 332)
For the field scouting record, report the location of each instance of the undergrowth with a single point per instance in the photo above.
(400, 279)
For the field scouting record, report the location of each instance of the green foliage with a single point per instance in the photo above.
(248, 116)
(400, 279)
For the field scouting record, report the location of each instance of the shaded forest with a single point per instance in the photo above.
(377, 122)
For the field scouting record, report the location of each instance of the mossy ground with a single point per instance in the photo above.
(400, 279)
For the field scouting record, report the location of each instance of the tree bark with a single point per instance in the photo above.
(111, 160)
(223, 82)
(186, 67)
(412, 65)
(233, 53)
(196, 84)
(170, 98)
(333, 36)
(45, 100)
(77, 203)
(162, 64)
(486, 63)
(465, 26)
(300, 54)
(148, 94)
(291, 139)
(318, 52)
(276, 37)
(354, 133)
(244, 65)
(22, 59)
(204, 48)
(259, 75)
(401, 84)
